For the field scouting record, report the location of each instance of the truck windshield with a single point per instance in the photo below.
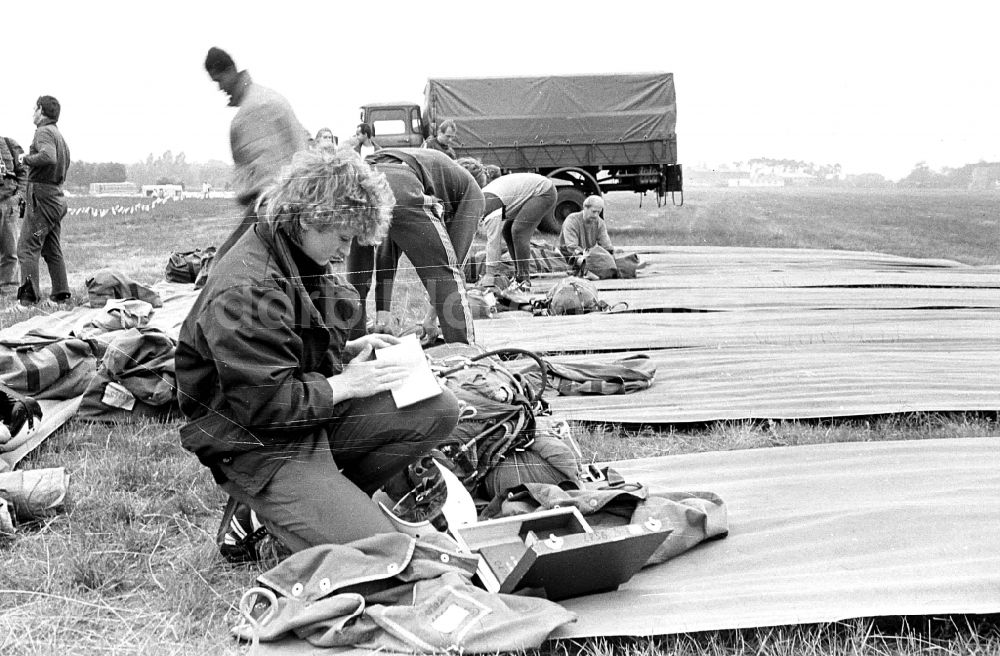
(387, 122)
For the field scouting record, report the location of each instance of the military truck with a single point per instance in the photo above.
(591, 133)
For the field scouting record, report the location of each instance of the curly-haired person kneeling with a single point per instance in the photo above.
(292, 418)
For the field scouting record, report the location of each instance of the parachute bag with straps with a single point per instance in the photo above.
(184, 266)
(497, 409)
(574, 295)
(600, 263)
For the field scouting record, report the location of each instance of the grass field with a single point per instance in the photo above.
(130, 567)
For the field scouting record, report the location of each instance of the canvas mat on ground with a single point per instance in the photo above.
(177, 300)
(801, 381)
(817, 534)
(742, 333)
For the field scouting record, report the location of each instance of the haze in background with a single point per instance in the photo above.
(875, 87)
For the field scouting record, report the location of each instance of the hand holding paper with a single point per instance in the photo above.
(421, 383)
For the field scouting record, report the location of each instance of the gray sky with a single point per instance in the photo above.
(874, 86)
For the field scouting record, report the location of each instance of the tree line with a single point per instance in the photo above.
(164, 169)
(175, 169)
(982, 174)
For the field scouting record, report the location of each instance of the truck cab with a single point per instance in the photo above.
(395, 124)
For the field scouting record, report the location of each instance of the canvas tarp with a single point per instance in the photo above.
(556, 110)
(818, 533)
(177, 300)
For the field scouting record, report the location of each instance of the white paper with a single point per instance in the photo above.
(421, 383)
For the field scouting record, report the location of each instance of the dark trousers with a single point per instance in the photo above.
(419, 231)
(520, 226)
(323, 496)
(40, 236)
(8, 242)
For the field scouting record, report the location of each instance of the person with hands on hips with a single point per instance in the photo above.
(293, 418)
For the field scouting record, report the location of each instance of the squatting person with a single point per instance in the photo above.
(292, 418)
(585, 229)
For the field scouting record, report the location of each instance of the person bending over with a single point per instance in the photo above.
(515, 204)
(438, 207)
(292, 418)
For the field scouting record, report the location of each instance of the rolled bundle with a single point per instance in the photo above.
(34, 493)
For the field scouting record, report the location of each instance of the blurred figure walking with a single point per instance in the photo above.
(263, 135)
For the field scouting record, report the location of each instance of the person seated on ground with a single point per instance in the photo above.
(364, 142)
(583, 230)
(515, 204)
(325, 139)
(438, 207)
(444, 140)
(492, 172)
(293, 419)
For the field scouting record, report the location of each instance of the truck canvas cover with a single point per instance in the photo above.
(508, 111)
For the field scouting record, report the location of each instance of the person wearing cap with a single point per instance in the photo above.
(48, 161)
(444, 140)
(263, 135)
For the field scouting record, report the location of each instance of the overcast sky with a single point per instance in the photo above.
(874, 86)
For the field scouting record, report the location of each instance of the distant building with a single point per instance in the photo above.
(113, 189)
(173, 191)
(985, 176)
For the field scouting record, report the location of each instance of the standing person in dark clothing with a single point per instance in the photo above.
(293, 418)
(47, 160)
(438, 207)
(13, 191)
(445, 139)
(263, 135)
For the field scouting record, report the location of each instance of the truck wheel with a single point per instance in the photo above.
(570, 200)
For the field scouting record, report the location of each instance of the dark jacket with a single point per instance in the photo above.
(253, 357)
(433, 144)
(48, 156)
(16, 178)
(442, 178)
